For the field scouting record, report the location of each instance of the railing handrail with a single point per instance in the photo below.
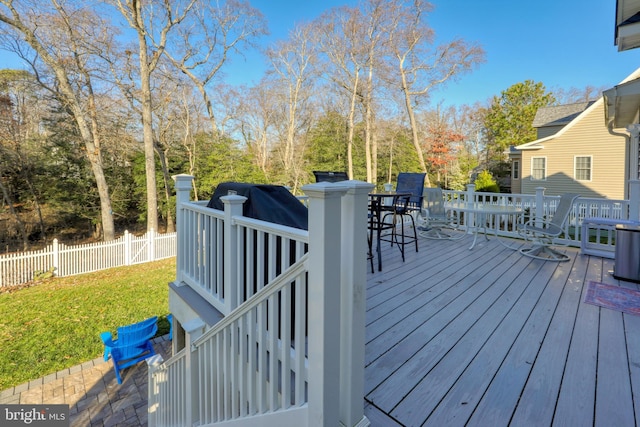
(292, 233)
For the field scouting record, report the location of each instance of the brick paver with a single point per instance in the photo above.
(90, 389)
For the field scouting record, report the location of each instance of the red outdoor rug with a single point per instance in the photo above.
(613, 297)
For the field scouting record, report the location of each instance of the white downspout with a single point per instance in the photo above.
(631, 169)
(634, 172)
(633, 145)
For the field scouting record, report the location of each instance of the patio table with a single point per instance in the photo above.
(481, 212)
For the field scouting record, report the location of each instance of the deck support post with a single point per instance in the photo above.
(469, 218)
(539, 211)
(232, 207)
(325, 260)
(353, 303)
(183, 195)
(194, 329)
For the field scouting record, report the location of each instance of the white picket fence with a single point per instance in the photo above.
(69, 260)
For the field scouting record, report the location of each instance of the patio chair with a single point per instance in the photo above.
(132, 345)
(411, 183)
(542, 231)
(325, 176)
(404, 209)
(394, 218)
(433, 216)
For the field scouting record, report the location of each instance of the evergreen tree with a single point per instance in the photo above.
(510, 116)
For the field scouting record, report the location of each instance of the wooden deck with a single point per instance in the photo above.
(488, 337)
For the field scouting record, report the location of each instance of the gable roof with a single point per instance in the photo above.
(558, 115)
(537, 143)
(611, 100)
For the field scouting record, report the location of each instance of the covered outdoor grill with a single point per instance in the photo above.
(272, 203)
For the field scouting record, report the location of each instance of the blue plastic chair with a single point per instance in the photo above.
(132, 345)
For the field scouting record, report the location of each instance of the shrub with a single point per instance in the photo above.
(486, 183)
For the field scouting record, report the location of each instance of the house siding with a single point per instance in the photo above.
(546, 131)
(588, 137)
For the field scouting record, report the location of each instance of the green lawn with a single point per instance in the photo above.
(56, 324)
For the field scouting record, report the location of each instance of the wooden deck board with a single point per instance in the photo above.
(448, 306)
(462, 399)
(493, 304)
(538, 400)
(489, 337)
(575, 404)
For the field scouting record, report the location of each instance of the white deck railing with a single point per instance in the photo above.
(290, 349)
(540, 205)
(262, 250)
(252, 362)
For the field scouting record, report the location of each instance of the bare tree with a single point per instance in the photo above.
(292, 64)
(256, 114)
(217, 30)
(60, 39)
(341, 34)
(9, 130)
(151, 22)
(20, 118)
(576, 95)
(375, 14)
(421, 66)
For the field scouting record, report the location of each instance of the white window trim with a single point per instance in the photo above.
(546, 166)
(575, 175)
(519, 170)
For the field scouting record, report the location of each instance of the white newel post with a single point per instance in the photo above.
(193, 330)
(324, 302)
(471, 193)
(539, 213)
(153, 363)
(232, 207)
(470, 197)
(634, 200)
(353, 303)
(183, 194)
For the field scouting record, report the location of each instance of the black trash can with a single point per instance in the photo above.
(627, 261)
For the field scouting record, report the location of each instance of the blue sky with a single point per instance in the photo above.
(561, 43)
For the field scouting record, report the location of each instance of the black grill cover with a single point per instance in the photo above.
(272, 203)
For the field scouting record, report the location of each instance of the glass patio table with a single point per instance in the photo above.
(480, 214)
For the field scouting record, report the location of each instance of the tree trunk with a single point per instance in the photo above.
(352, 112)
(371, 177)
(23, 233)
(414, 126)
(147, 135)
(69, 96)
(167, 194)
